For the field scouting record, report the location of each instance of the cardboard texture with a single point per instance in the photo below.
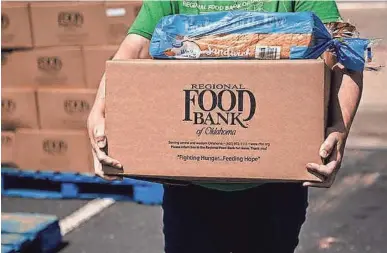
(95, 63)
(15, 25)
(47, 67)
(68, 23)
(8, 148)
(9, 76)
(65, 108)
(18, 108)
(120, 16)
(216, 119)
(64, 150)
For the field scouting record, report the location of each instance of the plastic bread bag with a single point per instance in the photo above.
(252, 35)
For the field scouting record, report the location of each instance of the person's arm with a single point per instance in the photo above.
(346, 91)
(133, 47)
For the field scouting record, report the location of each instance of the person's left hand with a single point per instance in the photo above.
(331, 151)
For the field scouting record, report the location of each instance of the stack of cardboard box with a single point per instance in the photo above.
(53, 57)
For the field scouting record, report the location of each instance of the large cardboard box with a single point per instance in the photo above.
(15, 25)
(18, 108)
(95, 63)
(65, 108)
(64, 150)
(216, 119)
(47, 67)
(8, 148)
(120, 16)
(68, 23)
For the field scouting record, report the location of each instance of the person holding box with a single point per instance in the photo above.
(238, 218)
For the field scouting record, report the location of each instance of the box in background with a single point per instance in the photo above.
(50, 66)
(95, 63)
(120, 16)
(9, 75)
(216, 120)
(68, 23)
(8, 148)
(64, 108)
(15, 25)
(62, 150)
(18, 108)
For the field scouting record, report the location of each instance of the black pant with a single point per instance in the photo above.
(265, 219)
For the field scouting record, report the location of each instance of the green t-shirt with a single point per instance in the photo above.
(152, 11)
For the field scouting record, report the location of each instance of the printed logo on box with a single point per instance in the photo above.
(49, 63)
(72, 106)
(4, 21)
(8, 105)
(6, 140)
(70, 19)
(213, 105)
(54, 147)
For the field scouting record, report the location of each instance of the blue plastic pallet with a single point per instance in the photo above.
(22, 232)
(7, 249)
(55, 185)
(14, 242)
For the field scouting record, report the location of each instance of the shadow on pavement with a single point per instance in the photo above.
(352, 215)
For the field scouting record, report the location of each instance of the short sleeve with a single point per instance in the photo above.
(326, 10)
(150, 14)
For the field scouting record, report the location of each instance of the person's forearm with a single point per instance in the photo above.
(346, 91)
(346, 86)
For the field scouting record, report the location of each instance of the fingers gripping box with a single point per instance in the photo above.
(216, 119)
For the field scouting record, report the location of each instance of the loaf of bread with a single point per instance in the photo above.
(259, 46)
(255, 35)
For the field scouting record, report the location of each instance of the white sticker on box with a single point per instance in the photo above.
(267, 52)
(115, 12)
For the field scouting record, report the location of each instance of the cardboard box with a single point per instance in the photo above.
(68, 23)
(65, 150)
(54, 66)
(10, 76)
(216, 119)
(18, 108)
(95, 63)
(15, 25)
(65, 108)
(120, 16)
(8, 148)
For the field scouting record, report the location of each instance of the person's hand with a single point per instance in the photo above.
(331, 151)
(96, 130)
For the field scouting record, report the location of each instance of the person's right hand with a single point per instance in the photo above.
(96, 130)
